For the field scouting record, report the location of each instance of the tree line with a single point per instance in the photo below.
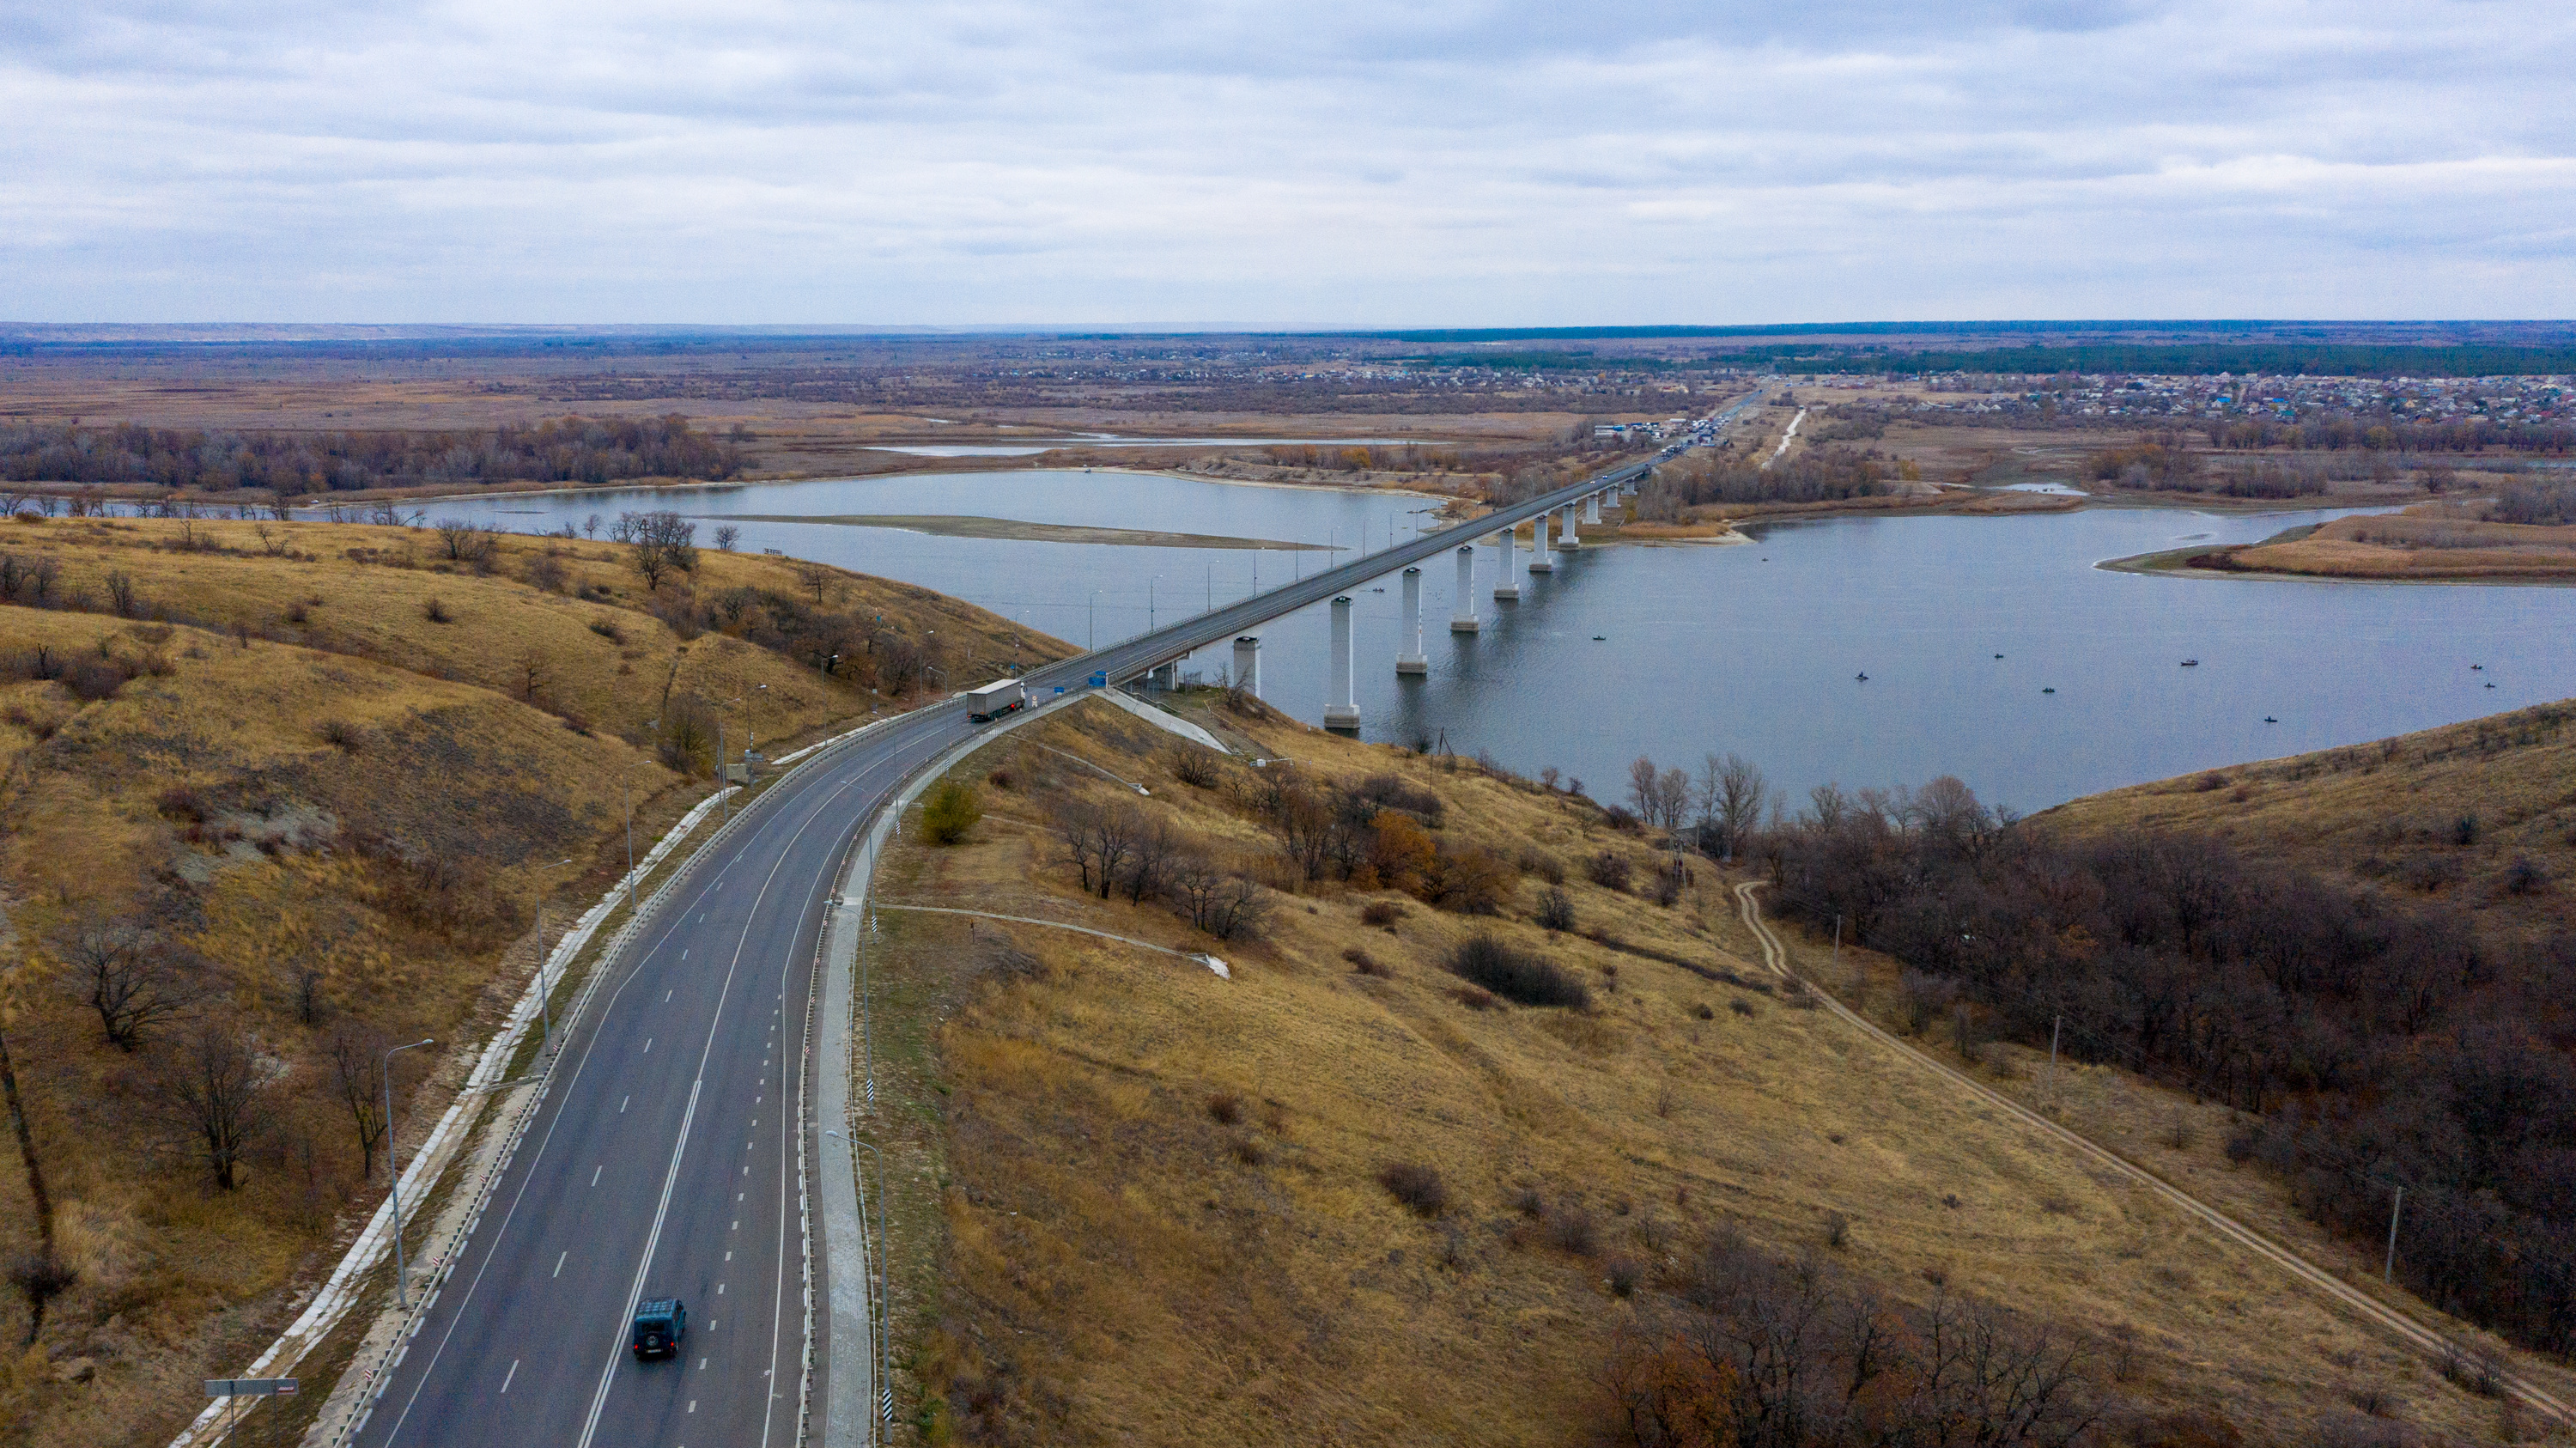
(1818, 475)
(293, 464)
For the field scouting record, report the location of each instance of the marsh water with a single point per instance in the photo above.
(1963, 625)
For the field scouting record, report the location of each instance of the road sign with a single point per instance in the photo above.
(250, 1387)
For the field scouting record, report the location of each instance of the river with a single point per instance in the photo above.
(1963, 626)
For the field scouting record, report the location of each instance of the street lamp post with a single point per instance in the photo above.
(885, 1303)
(393, 1173)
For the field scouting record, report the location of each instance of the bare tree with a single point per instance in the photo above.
(466, 542)
(657, 543)
(1829, 806)
(1071, 824)
(1672, 798)
(1149, 869)
(125, 977)
(216, 1092)
(1220, 902)
(533, 672)
(1644, 788)
(1741, 793)
(726, 537)
(814, 576)
(1114, 833)
(40, 1275)
(358, 1075)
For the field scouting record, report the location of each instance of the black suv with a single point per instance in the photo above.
(660, 1323)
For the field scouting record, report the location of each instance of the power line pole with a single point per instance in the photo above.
(2388, 1273)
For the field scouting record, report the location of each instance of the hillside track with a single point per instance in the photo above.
(2413, 1333)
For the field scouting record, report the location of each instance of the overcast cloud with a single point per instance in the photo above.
(1312, 163)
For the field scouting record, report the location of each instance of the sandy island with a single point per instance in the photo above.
(952, 525)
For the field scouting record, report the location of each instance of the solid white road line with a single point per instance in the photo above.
(514, 1372)
(559, 1261)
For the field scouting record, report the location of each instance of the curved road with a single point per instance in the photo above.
(662, 1160)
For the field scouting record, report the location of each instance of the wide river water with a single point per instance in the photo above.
(1961, 624)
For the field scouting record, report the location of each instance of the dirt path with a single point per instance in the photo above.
(2415, 1334)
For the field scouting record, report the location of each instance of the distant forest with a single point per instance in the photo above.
(566, 450)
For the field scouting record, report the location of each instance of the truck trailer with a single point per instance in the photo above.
(993, 700)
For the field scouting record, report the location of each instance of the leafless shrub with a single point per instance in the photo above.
(1417, 1186)
(1927, 996)
(1573, 1231)
(1381, 912)
(1555, 909)
(1740, 1006)
(1250, 1151)
(1608, 869)
(1225, 1108)
(1362, 963)
(1194, 767)
(344, 736)
(1837, 1231)
(1623, 1274)
(1538, 862)
(1516, 975)
(607, 628)
(435, 610)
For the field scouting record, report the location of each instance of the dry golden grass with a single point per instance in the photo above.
(296, 744)
(2387, 816)
(1112, 1261)
(2426, 545)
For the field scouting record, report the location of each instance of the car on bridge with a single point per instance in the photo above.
(660, 1324)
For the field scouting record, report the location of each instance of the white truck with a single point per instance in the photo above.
(993, 700)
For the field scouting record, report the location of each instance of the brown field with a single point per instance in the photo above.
(2418, 545)
(298, 771)
(1140, 1203)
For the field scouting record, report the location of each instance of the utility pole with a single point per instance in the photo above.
(393, 1173)
(724, 806)
(2388, 1273)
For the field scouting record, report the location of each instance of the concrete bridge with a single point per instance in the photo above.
(1557, 520)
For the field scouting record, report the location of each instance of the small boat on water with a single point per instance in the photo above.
(1597, 638)
(1862, 678)
(2268, 719)
(2191, 663)
(2048, 691)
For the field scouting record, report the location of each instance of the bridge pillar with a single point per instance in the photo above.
(1571, 541)
(1507, 579)
(1592, 509)
(1341, 709)
(1464, 620)
(1164, 678)
(1247, 665)
(1412, 662)
(1539, 561)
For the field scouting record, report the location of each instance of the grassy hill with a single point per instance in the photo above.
(307, 784)
(2481, 815)
(1138, 1203)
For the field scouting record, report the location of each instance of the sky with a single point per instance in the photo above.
(1316, 163)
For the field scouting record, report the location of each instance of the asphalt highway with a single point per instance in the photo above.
(662, 1161)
